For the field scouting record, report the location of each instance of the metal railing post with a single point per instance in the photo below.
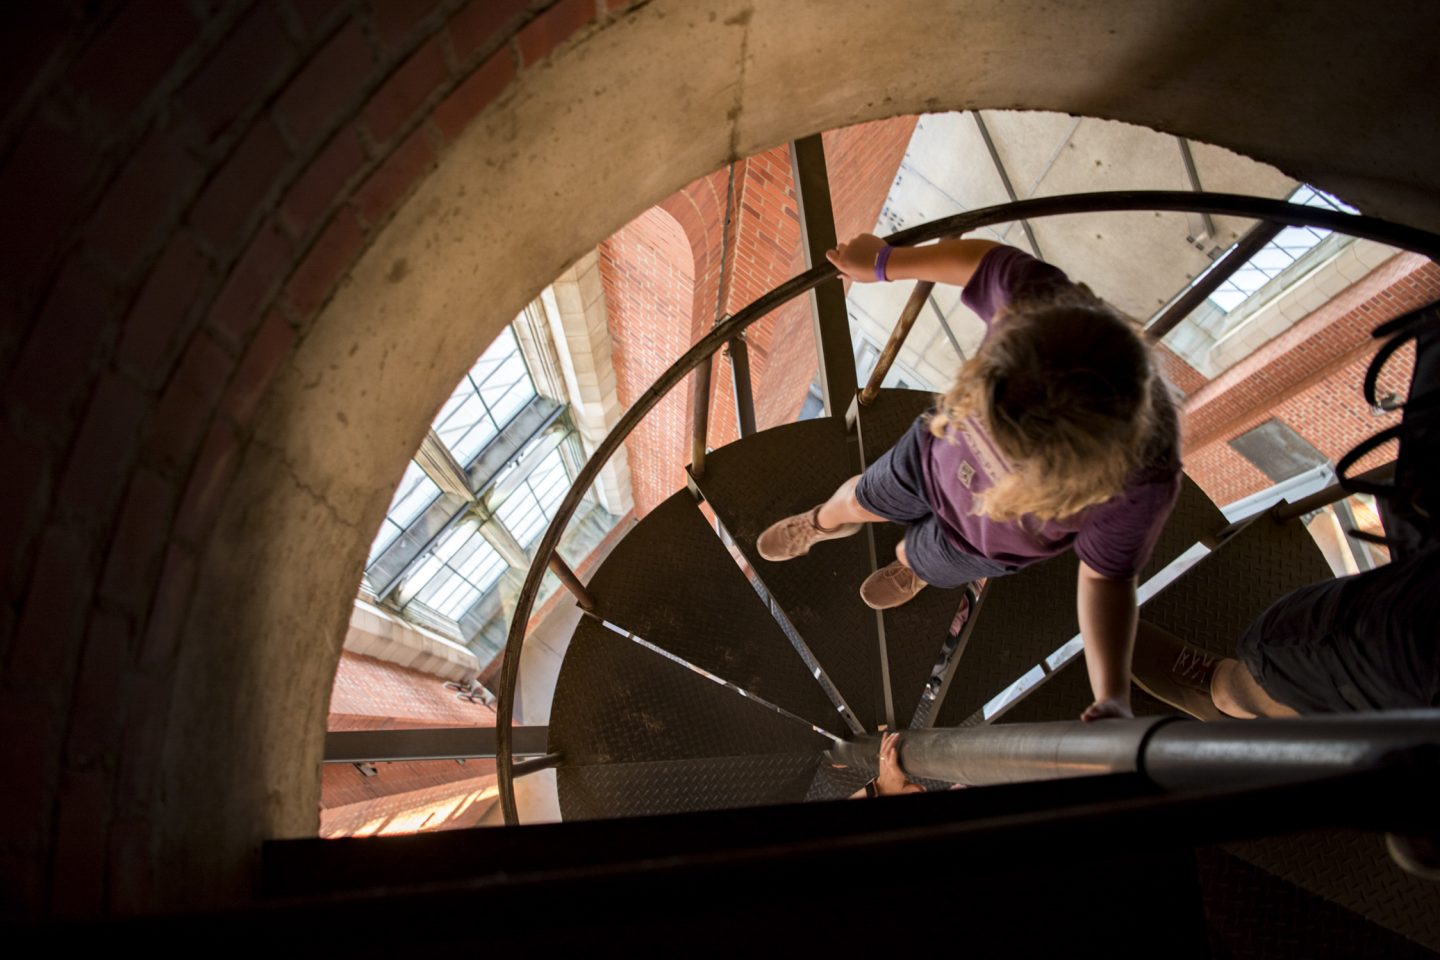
(571, 582)
(744, 392)
(699, 417)
(886, 360)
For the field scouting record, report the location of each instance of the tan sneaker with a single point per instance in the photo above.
(891, 586)
(1175, 672)
(794, 536)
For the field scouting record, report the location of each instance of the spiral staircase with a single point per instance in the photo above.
(714, 680)
(705, 696)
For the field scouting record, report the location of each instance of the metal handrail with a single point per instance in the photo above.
(1219, 204)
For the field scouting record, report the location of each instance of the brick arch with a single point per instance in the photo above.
(246, 256)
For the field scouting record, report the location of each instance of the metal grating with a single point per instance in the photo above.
(836, 783)
(1213, 604)
(672, 582)
(1353, 870)
(784, 471)
(1253, 915)
(916, 632)
(1024, 618)
(683, 786)
(617, 702)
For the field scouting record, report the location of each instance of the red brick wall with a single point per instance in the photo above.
(371, 694)
(1310, 378)
(648, 274)
(183, 186)
(405, 797)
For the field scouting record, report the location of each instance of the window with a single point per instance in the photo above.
(1272, 259)
(416, 492)
(455, 573)
(488, 397)
(1277, 451)
(531, 505)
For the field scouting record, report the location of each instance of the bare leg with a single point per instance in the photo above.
(900, 553)
(1238, 694)
(843, 508)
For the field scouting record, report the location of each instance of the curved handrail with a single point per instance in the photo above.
(1221, 204)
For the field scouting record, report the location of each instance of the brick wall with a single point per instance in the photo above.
(184, 185)
(371, 694)
(405, 797)
(647, 271)
(1310, 378)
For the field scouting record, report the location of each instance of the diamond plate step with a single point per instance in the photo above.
(916, 632)
(1214, 602)
(1028, 615)
(672, 582)
(783, 471)
(1210, 605)
(617, 702)
(683, 786)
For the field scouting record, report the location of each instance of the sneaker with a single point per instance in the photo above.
(794, 536)
(1175, 672)
(890, 586)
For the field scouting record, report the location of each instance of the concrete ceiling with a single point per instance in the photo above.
(1137, 261)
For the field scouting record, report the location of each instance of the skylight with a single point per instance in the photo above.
(486, 399)
(1273, 258)
(416, 492)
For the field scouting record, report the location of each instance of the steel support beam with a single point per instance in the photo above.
(440, 743)
(1005, 179)
(1172, 752)
(1206, 231)
(945, 325)
(1222, 270)
(827, 299)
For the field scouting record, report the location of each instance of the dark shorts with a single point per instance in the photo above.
(894, 488)
(1370, 641)
(1363, 642)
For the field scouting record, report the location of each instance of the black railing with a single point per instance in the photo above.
(1217, 204)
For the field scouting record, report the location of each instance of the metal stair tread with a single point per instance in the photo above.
(1232, 585)
(673, 583)
(617, 702)
(648, 788)
(783, 471)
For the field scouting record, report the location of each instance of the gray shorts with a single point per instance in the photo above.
(894, 488)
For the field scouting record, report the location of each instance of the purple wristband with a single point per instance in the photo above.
(882, 258)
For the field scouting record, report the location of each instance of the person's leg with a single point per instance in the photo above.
(892, 488)
(843, 507)
(1238, 694)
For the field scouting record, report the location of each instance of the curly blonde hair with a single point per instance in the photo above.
(1066, 386)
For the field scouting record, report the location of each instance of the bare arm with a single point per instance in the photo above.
(949, 261)
(1108, 613)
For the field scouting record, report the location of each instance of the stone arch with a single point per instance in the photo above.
(235, 296)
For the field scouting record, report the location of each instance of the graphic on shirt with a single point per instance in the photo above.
(966, 473)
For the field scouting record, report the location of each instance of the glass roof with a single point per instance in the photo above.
(1273, 258)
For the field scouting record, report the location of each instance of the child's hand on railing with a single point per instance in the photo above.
(856, 257)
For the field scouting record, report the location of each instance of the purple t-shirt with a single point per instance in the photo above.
(1114, 538)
